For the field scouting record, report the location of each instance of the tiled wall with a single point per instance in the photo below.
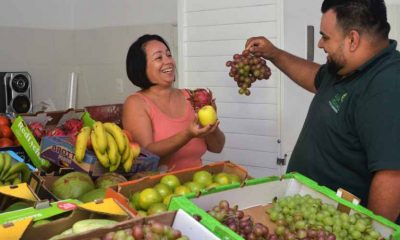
(97, 55)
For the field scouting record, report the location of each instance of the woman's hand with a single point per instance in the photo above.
(197, 131)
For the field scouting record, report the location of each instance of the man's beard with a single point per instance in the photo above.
(333, 67)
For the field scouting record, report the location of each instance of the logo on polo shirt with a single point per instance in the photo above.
(337, 101)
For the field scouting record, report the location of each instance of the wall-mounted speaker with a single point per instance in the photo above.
(16, 92)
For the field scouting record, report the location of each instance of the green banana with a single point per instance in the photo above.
(81, 143)
(7, 165)
(103, 158)
(12, 177)
(116, 132)
(16, 169)
(1, 162)
(101, 138)
(16, 181)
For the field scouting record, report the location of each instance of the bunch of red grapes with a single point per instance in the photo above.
(246, 68)
(240, 223)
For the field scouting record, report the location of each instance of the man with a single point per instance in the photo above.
(351, 136)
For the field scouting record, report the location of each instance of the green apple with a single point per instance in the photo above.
(207, 115)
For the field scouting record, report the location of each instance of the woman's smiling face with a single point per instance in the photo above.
(160, 64)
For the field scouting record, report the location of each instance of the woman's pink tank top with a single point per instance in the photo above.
(164, 126)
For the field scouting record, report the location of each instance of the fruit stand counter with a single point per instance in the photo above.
(293, 203)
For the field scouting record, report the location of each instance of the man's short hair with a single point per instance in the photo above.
(364, 16)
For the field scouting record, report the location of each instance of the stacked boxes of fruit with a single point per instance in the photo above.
(294, 207)
(29, 129)
(176, 225)
(150, 195)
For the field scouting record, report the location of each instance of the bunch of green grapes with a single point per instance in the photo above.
(246, 69)
(300, 215)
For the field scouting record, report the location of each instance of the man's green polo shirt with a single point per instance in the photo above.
(353, 126)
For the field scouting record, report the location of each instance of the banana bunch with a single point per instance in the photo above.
(12, 173)
(110, 144)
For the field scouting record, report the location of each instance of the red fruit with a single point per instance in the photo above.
(37, 130)
(73, 125)
(73, 137)
(4, 121)
(56, 132)
(5, 131)
(6, 142)
(201, 97)
(128, 135)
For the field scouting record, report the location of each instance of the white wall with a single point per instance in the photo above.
(77, 14)
(52, 38)
(210, 32)
(43, 14)
(106, 13)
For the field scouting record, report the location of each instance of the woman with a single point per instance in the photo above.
(159, 116)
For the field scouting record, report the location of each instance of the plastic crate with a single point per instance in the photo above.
(263, 191)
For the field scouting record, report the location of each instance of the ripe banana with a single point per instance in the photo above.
(116, 165)
(127, 150)
(112, 149)
(102, 157)
(127, 165)
(118, 135)
(7, 165)
(136, 150)
(101, 138)
(81, 143)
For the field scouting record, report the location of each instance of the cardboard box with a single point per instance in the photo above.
(49, 120)
(106, 209)
(61, 151)
(179, 220)
(257, 194)
(40, 210)
(14, 193)
(124, 190)
(19, 150)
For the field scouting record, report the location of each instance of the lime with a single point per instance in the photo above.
(181, 190)
(171, 181)
(157, 208)
(163, 189)
(222, 178)
(203, 177)
(147, 197)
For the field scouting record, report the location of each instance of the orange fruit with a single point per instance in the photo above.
(147, 197)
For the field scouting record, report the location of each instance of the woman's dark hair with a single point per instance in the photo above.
(136, 61)
(364, 16)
